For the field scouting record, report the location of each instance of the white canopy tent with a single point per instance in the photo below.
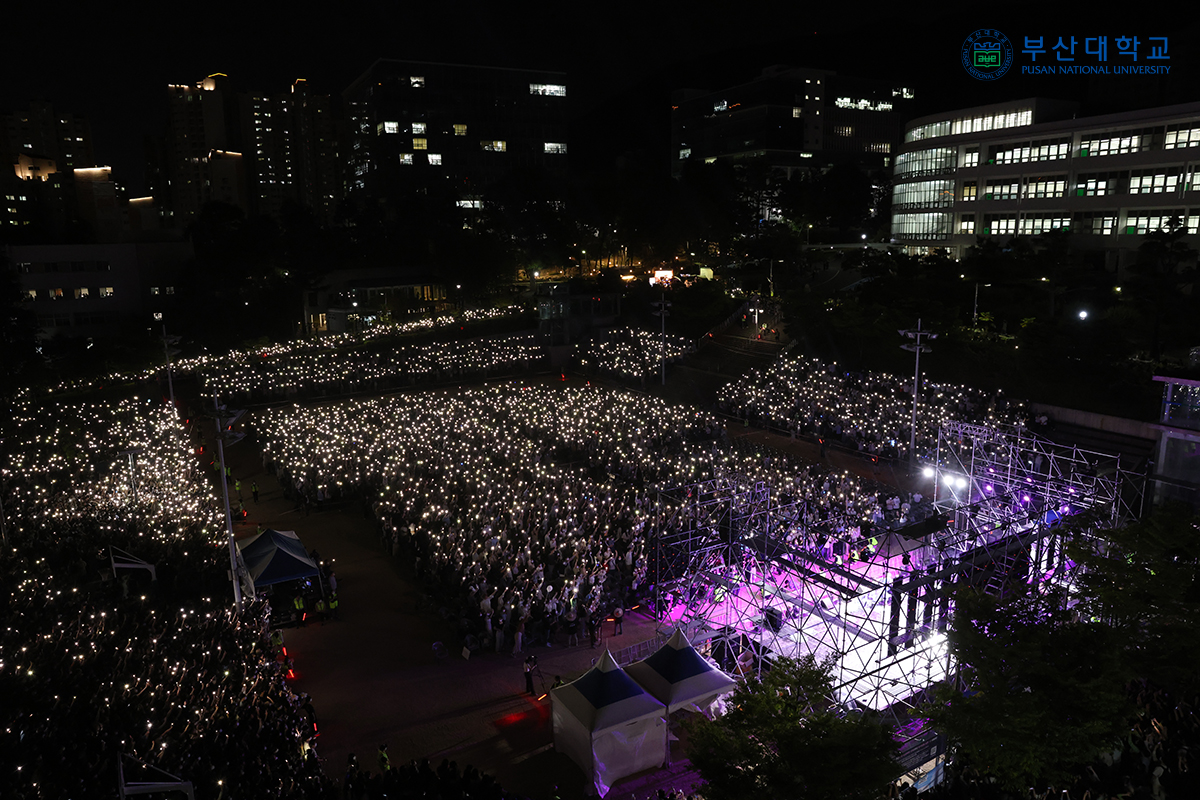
(608, 725)
(679, 677)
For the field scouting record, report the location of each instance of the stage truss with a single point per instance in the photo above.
(751, 572)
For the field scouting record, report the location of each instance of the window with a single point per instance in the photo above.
(494, 146)
(999, 225)
(878, 147)
(548, 89)
(470, 204)
(31, 293)
(170, 290)
(685, 152)
(406, 158)
(106, 291)
(460, 130)
(158, 316)
(56, 294)
(1036, 224)
(1106, 144)
(153, 290)
(390, 127)
(416, 82)
(969, 190)
(1003, 189)
(843, 130)
(1055, 186)
(418, 127)
(1098, 184)
(1185, 137)
(81, 293)
(967, 224)
(925, 162)
(1019, 153)
(1148, 181)
(1143, 222)
(927, 226)
(420, 143)
(435, 159)
(1100, 223)
(923, 193)
(797, 112)
(561, 147)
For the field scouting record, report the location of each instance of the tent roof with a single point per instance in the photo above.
(605, 697)
(275, 557)
(677, 675)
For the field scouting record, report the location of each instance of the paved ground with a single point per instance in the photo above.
(374, 677)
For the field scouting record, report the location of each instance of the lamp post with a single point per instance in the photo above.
(918, 334)
(225, 420)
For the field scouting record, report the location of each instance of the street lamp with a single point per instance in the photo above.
(917, 348)
(1083, 315)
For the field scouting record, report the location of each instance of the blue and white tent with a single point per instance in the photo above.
(275, 557)
(679, 677)
(608, 725)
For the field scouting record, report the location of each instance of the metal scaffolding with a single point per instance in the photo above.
(751, 571)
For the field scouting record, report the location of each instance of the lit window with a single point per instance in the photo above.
(420, 143)
(685, 152)
(460, 130)
(470, 204)
(843, 130)
(153, 290)
(797, 112)
(418, 127)
(494, 145)
(435, 159)
(158, 316)
(106, 291)
(416, 82)
(388, 127)
(555, 147)
(548, 89)
(56, 294)
(81, 293)
(406, 158)
(33, 293)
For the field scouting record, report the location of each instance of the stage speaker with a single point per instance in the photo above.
(773, 618)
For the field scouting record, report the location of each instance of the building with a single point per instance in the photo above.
(60, 137)
(362, 297)
(418, 126)
(255, 151)
(1031, 166)
(100, 290)
(791, 118)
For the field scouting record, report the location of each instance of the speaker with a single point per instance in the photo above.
(773, 618)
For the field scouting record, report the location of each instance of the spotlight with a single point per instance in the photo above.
(960, 483)
(927, 472)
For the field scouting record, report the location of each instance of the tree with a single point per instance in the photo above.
(782, 739)
(1043, 692)
(1144, 580)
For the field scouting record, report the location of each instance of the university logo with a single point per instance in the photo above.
(987, 54)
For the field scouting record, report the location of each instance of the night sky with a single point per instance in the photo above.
(622, 60)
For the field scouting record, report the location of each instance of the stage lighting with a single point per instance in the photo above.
(948, 480)
(927, 472)
(960, 483)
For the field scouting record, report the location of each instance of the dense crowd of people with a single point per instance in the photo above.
(631, 354)
(869, 412)
(529, 509)
(99, 661)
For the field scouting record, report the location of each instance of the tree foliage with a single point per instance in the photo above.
(1043, 692)
(781, 739)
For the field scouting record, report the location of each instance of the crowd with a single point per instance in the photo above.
(99, 661)
(529, 509)
(631, 354)
(869, 412)
(309, 373)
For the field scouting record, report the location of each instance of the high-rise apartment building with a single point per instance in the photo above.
(253, 150)
(43, 132)
(414, 125)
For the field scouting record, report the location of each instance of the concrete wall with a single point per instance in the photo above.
(1101, 422)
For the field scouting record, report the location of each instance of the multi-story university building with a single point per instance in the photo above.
(791, 117)
(252, 150)
(1030, 166)
(417, 125)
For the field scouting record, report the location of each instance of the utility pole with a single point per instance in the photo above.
(664, 313)
(167, 342)
(917, 348)
(225, 420)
